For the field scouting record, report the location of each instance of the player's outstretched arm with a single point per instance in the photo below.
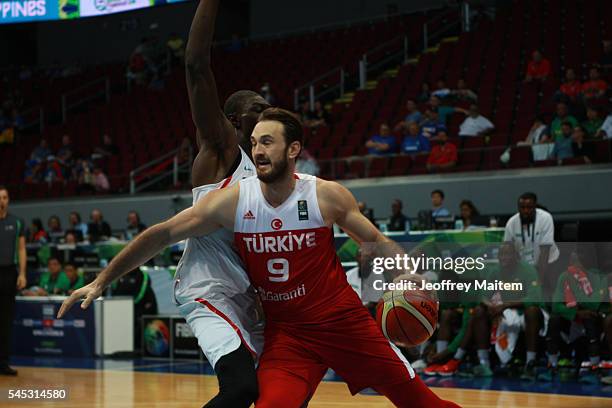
(214, 130)
(209, 214)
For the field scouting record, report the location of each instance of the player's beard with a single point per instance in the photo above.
(277, 171)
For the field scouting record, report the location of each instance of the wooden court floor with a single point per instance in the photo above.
(116, 388)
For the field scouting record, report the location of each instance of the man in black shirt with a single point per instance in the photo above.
(398, 220)
(12, 275)
(98, 229)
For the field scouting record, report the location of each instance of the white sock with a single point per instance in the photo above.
(441, 345)
(483, 357)
(459, 354)
(531, 355)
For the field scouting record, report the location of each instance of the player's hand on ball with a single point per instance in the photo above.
(89, 293)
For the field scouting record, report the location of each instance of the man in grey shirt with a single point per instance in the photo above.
(12, 275)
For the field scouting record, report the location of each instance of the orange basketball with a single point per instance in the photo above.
(407, 318)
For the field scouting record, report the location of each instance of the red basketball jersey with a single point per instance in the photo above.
(289, 254)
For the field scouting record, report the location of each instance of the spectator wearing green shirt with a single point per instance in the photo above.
(443, 111)
(527, 302)
(75, 279)
(52, 282)
(577, 299)
(562, 116)
(593, 122)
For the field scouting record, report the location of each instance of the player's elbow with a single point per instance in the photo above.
(196, 62)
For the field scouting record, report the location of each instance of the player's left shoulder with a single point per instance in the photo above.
(330, 190)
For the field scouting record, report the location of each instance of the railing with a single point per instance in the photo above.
(311, 87)
(96, 89)
(391, 53)
(159, 169)
(430, 37)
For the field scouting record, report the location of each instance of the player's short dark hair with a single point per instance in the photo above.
(237, 101)
(529, 196)
(4, 188)
(294, 132)
(437, 191)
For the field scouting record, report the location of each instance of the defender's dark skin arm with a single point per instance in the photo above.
(216, 137)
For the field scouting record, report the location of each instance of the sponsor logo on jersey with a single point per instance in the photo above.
(249, 216)
(268, 296)
(302, 210)
(276, 224)
(281, 243)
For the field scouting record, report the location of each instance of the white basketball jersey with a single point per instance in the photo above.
(210, 268)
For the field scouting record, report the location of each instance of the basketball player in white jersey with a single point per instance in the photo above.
(282, 227)
(211, 288)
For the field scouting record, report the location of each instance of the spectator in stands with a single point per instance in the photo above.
(437, 204)
(98, 229)
(108, 148)
(593, 122)
(83, 173)
(432, 124)
(538, 68)
(37, 233)
(176, 47)
(412, 112)
(414, 141)
(605, 131)
(35, 166)
(134, 226)
(570, 88)
(563, 145)
(537, 134)
(77, 226)
(425, 93)
(382, 144)
(398, 221)
(444, 111)
(579, 147)
(100, 181)
(52, 282)
(306, 114)
(75, 279)
(595, 87)
(463, 94)
(266, 92)
(65, 157)
(442, 90)
(307, 164)
(367, 212)
(532, 231)
(475, 124)
(412, 115)
(70, 238)
(443, 154)
(320, 117)
(562, 116)
(466, 220)
(55, 230)
(41, 152)
(606, 58)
